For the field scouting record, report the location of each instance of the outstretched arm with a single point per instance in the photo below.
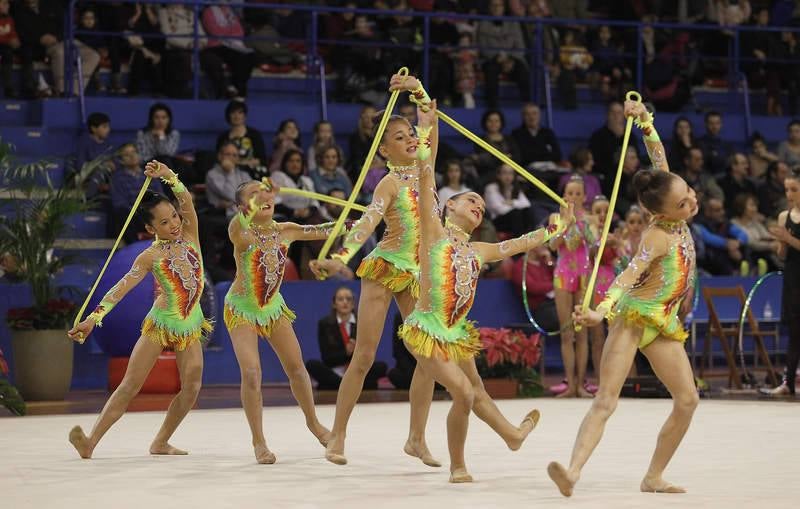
(644, 121)
(141, 266)
(155, 169)
(558, 224)
(294, 231)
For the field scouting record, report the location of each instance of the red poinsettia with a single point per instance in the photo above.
(504, 346)
(53, 315)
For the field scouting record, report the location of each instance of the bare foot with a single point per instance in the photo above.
(583, 393)
(460, 475)
(527, 425)
(561, 477)
(334, 451)
(420, 450)
(263, 455)
(569, 393)
(658, 485)
(80, 441)
(166, 450)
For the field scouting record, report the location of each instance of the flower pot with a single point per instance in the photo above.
(42, 363)
(162, 379)
(501, 388)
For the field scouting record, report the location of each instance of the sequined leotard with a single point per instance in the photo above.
(572, 267)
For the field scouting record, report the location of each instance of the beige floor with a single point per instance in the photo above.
(737, 454)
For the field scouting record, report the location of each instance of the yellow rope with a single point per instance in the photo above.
(321, 197)
(364, 169)
(519, 169)
(633, 96)
(144, 188)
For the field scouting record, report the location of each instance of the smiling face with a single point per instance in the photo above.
(466, 210)
(166, 224)
(258, 195)
(399, 143)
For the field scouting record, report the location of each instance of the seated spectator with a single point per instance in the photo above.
(508, 207)
(453, 183)
(329, 173)
(575, 63)
(40, 25)
(493, 123)
(582, 163)
(760, 157)
(698, 178)
(158, 140)
(291, 174)
(323, 138)
(609, 72)
(360, 141)
(336, 334)
(126, 182)
(465, 60)
(95, 143)
(230, 53)
(771, 193)
(759, 241)
(146, 65)
(176, 60)
(724, 242)
(502, 52)
(535, 142)
(680, 144)
(286, 139)
(224, 179)
(737, 181)
(248, 140)
(539, 286)
(627, 194)
(789, 150)
(88, 22)
(9, 44)
(605, 142)
(715, 151)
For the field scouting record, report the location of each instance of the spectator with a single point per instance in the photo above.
(789, 150)
(158, 140)
(176, 60)
(787, 72)
(125, 185)
(760, 242)
(504, 54)
(535, 143)
(9, 43)
(607, 140)
(757, 47)
(287, 138)
(88, 23)
(336, 334)
(224, 179)
(408, 111)
(292, 174)
(627, 194)
(609, 71)
(760, 157)
(737, 181)
(508, 207)
(453, 184)
(698, 179)
(724, 241)
(493, 123)
(40, 25)
(715, 151)
(95, 143)
(575, 63)
(146, 63)
(323, 138)
(466, 57)
(582, 164)
(329, 173)
(680, 144)
(444, 54)
(222, 20)
(539, 286)
(405, 363)
(771, 193)
(248, 140)
(570, 9)
(360, 63)
(360, 141)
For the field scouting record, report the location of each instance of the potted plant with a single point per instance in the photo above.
(9, 395)
(507, 362)
(35, 214)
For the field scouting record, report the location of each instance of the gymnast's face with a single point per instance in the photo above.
(680, 203)
(261, 196)
(466, 211)
(166, 223)
(399, 144)
(792, 186)
(600, 209)
(635, 223)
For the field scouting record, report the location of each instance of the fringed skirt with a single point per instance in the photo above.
(240, 311)
(176, 333)
(428, 335)
(391, 272)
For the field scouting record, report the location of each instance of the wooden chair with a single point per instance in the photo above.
(731, 332)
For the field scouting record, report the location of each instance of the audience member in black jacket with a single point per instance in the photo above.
(535, 143)
(336, 334)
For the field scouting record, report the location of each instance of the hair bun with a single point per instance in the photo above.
(642, 180)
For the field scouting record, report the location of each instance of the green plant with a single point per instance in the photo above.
(35, 215)
(511, 354)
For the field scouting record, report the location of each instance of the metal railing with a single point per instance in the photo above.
(534, 54)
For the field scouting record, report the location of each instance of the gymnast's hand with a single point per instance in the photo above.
(587, 318)
(426, 118)
(326, 268)
(403, 83)
(81, 331)
(155, 169)
(567, 214)
(636, 109)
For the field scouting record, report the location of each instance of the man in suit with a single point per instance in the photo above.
(336, 334)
